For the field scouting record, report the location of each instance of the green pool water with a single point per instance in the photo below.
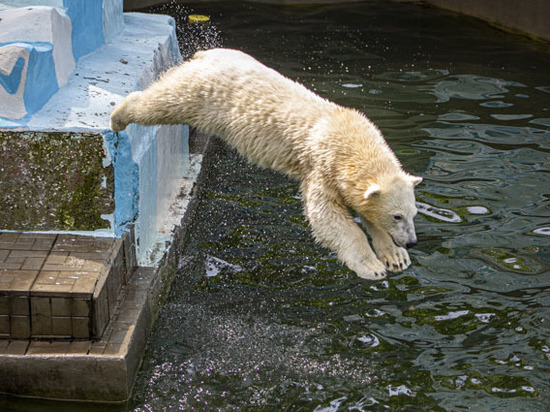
(260, 318)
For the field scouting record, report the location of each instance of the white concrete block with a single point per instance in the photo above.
(113, 20)
(42, 24)
(13, 73)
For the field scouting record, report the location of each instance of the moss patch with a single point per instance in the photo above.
(54, 181)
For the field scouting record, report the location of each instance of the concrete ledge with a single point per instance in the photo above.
(530, 17)
(133, 175)
(100, 370)
(59, 286)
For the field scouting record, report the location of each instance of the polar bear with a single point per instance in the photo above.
(341, 159)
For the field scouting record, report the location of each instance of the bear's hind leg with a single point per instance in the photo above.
(334, 227)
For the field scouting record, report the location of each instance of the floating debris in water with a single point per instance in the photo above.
(446, 215)
(477, 210)
(198, 18)
(545, 231)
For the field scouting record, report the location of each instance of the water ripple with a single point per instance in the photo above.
(278, 324)
(472, 87)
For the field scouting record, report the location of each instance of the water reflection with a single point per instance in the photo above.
(262, 318)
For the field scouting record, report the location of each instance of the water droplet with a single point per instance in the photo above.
(352, 85)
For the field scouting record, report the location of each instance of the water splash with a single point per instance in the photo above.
(215, 266)
(294, 329)
(192, 37)
(472, 87)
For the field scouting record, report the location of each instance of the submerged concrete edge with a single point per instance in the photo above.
(90, 372)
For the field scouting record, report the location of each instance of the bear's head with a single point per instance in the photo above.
(389, 204)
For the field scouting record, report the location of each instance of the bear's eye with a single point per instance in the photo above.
(397, 217)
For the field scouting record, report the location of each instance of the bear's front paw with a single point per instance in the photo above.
(117, 125)
(373, 270)
(395, 258)
(123, 113)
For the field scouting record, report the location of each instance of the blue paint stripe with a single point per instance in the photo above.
(41, 81)
(87, 21)
(11, 81)
(126, 180)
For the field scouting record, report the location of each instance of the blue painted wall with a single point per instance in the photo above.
(87, 20)
(11, 81)
(126, 180)
(41, 78)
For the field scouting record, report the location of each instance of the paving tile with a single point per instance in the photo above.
(28, 253)
(48, 348)
(4, 254)
(81, 307)
(64, 283)
(44, 242)
(62, 307)
(57, 258)
(16, 347)
(52, 282)
(20, 327)
(79, 347)
(81, 328)
(41, 325)
(18, 241)
(4, 305)
(17, 280)
(86, 283)
(101, 312)
(19, 304)
(33, 263)
(5, 325)
(62, 326)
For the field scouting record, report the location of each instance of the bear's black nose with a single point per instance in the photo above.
(411, 244)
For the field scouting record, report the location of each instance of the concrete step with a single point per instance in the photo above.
(60, 286)
(86, 370)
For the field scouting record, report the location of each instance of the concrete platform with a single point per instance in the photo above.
(84, 370)
(82, 279)
(59, 286)
(75, 307)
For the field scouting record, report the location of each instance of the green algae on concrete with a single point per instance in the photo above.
(54, 181)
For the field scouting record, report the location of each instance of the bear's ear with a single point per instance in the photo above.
(415, 180)
(372, 190)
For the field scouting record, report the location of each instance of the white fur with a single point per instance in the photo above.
(340, 157)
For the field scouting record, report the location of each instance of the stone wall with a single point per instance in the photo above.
(64, 65)
(528, 17)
